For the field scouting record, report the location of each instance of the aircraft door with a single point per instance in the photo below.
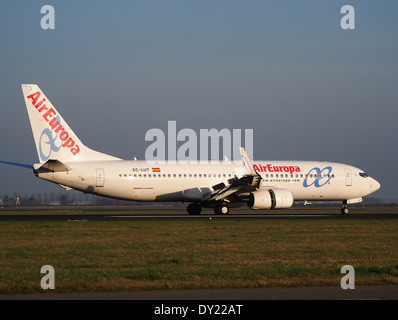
(348, 177)
(100, 177)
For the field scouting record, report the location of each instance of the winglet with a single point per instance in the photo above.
(247, 162)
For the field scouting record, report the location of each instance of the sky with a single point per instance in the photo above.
(309, 89)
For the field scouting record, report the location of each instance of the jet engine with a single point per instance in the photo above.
(270, 199)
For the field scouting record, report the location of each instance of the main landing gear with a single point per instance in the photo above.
(196, 208)
(221, 209)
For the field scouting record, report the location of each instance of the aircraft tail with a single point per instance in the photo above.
(54, 139)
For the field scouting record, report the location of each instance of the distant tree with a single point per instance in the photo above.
(32, 200)
(45, 201)
(39, 199)
(64, 200)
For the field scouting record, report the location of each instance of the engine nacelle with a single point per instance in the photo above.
(270, 199)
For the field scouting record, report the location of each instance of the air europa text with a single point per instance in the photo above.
(271, 168)
(49, 115)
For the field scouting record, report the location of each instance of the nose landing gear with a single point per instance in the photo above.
(344, 209)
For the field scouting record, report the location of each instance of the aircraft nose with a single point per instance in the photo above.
(375, 185)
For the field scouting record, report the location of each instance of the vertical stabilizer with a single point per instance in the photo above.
(53, 137)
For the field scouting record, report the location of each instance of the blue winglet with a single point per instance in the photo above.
(24, 165)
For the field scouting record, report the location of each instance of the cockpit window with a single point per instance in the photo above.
(363, 174)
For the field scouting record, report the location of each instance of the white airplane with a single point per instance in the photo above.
(66, 161)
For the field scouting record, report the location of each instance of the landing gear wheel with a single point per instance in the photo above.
(345, 210)
(194, 209)
(221, 209)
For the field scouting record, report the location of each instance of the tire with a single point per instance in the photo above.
(221, 209)
(194, 209)
(345, 210)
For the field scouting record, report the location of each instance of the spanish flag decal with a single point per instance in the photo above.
(155, 169)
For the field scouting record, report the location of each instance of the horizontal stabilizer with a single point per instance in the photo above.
(51, 166)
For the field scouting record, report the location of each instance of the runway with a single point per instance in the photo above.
(110, 217)
(306, 293)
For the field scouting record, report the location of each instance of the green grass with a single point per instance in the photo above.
(188, 254)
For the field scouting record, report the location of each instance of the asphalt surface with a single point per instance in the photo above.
(312, 293)
(104, 217)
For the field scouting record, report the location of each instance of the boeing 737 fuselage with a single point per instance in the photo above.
(66, 161)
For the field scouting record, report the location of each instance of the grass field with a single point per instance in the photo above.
(188, 254)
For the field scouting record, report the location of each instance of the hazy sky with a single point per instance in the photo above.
(286, 69)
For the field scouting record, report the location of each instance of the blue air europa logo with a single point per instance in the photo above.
(318, 177)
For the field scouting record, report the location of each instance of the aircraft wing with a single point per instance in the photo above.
(248, 182)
